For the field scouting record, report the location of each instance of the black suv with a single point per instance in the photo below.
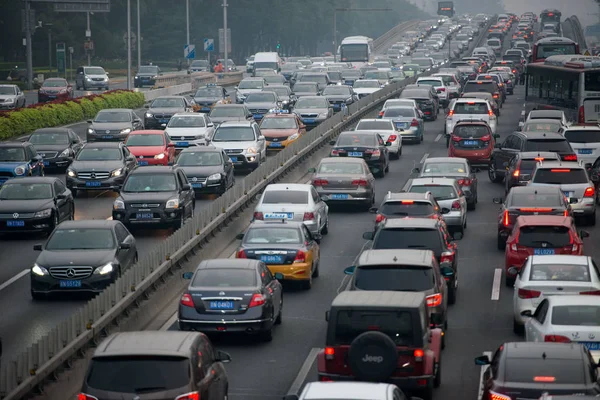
(518, 142)
(155, 196)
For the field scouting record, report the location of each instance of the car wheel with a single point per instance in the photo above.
(179, 223)
(307, 284)
(266, 335)
(387, 167)
(472, 205)
(437, 381)
(74, 192)
(452, 294)
(501, 243)
(72, 213)
(509, 282)
(518, 328)
(426, 394)
(492, 173)
(315, 273)
(380, 173)
(280, 315)
(395, 156)
(54, 223)
(325, 229)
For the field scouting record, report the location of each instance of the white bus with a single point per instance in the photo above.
(357, 50)
(567, 82)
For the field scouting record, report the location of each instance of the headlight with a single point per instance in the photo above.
(214, 177)
(90, 131)
(323, 115)
(87, 78)
(126, 130)
(19, 170)
(65, 153)
(43, 213)
(173, 203)
(103, 270)
(349, 99)
(10, 100)
(117, 172)
(294, 136)
(39, 271)
(136, 77)
(71, 173)
(118, 205)
(148, 115)
(251, 150)
(160, 156)
(155, 77)
(286, 102)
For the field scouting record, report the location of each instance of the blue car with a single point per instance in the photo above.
(18, 159)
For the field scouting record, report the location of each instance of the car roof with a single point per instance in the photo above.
(471, 99)
(433, 181)
(399, 257)
(338, 390)
(228, 263)
(121, 109)
(190, 114)
(560, 259)
(378, 298)
(399, 196)
(573, 300)
(542, 135)
(154, 169)
(236, 123)
(168, 97)
(288, 186)
(545, 220)
(454, 160)
(32, 179)
(550, 189)
(88, 223)
(560, 164)
(424, 223)
(168, 343)
(543, 350)
(109, 145)
(547, 113)
(202, 149)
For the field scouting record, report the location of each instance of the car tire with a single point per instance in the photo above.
(494, 178)
(509, 282)
(500, 242)
(38, 296)
(53, 224)
(307, 284)
(316, 271)
(387, 168)
(325, 229)
(74, 192)
(395, 156)
(426, 394)
(518, 328)
(380, 173)
(437, 379)
(279, 318)
(472, 205)
(72, 212)
(452, 294)
(377, 344)
(179, 223)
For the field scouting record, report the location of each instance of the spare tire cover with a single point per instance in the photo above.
(373, 357)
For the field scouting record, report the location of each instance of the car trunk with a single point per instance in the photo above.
(339, 182)
(211, 301)
(273, 255)
(357, 151)
(292, 212)
(534, 391)
(545, 240)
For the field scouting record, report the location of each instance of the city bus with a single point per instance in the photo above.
(550, 17)
(446, 8)
(570, 83)
(553, 46)
(357, 50)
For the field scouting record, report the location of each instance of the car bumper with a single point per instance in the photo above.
(159, 217)
(346, 196)
(313, 227)
(144, 162)
(292, 272)
(224, 325)
(184, 144)
(207, 187)
(92, 284)
(58, 162)
(583, 207)
(242, 161)
(42, 98)
(312, 122)
(395, 146)
(105, 184)
(8, 106)
(29, 225)
(95, 84)
(477, 158)
(453, 219)
(512, 260)
(99, 137)
(411, 135)
(139, 82)
(276, 146)
(520, 305)
(411, 383)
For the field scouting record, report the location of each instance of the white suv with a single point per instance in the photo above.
(189, 129)
(585, 141)
(438, 84)
(470, 108)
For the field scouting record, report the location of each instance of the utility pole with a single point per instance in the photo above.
(28, 49)
(88, 34)
(187, 24)
(128, 44)
(50, 49)
(139, 38)
(225, 38)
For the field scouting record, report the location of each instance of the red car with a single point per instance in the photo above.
(151, 147)
(472, 140)
(55, 88)
(541, 235)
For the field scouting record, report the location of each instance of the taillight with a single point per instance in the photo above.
(517, 173)
(337, 152)
(486, 138)
(441, 90)
(496, 95)
(373, 152)
(464, 181)
(392, 138)
(379, 218)
(456, 138)
(189, 396)
(556, 339)
(300, 257)
(414, 122)
(320, 182)
(434, 300)
(257, 300)
(329, 353)
(450, 113)
(83, 396)
(308, 216)
(491, 112)
(591, 293)
(447, 256)
(570, 157)
(360, 182)
(418, 354)
(186, 300)
(241, 254)
(381, 114)
(589, 192)
(529, 294)
(514, 71)
(258, 215)
(581, 115)
(456, 205)
(498, 396)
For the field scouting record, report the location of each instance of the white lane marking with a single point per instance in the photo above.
(169, 323)
(14, 279)
(424, 158)
(483, 369)
(304, 371)
(496, 284)
(438, 137)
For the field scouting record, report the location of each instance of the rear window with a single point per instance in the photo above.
(439, 192)
(527, 165)
(486, 86)
(493, 42)
(138, 374)
(408, 208)
(542, 127)
(560, 176)
(471, 131)
(578, 315)
(432, 82)
(397, 325)
(285, 197)
(544, 236)
(525, 370)
(584, 136)
(553, 146)
(471, 107)
(375, 125)
(394, 278)
(526, 200)
(399, 112)
(228, 277)
(415, 238)
(564, 272)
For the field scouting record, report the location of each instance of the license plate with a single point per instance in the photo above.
(339, 197)
(221, 305)
(142, 162)
(144, 216)
(355, 154)
(585, 151)
(182, 144)
(309, 121)
(336, 105)
(402, 125)
(568, 194)
(93, 184)
(196, 185)
(279, 215)
(205, 108)
(234, 159)
(257, 116)
(46, 163)
(470, 142)
(70, 284)
(543, 252)
(163, 121)
(14, 223)
(272, 259)
(107, 137)
(275, 145)
(591, 346)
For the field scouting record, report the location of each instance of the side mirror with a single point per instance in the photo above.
(125, 246)
(279, 276)
(37, 247)
(187, 186)
(326, 315)
(239, 236)
(513, 271)
(332, 142)
(164, 126)
(187, 275)
(498, 200)
(373, 210)
(496, 136)
(61, 196)
(584, 234)
(368, 235)
(223, 357)
(526, 314)
(446, 271)
(312, 170)
(146, 105)
(210, 125)
(89, 121)
(482, 360)
(350, 270)
(445, 210)
(137, 121)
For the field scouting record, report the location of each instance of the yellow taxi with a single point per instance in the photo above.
(208, 96)
(281, 128)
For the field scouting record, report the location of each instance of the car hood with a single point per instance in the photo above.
(201, 172)
(261, 105)
(219, 120)
(99, 165)
(7, 96)
(174, 132)
(206, 99)
(112, 126)
(337, 97)
(311, 110)
(94, 258)
(166, 110)
(234, 145)
(10, 165)
(147, 197)
(146, 150)
(47, 148)
(365, 90)
(278, 132)
(24, 206)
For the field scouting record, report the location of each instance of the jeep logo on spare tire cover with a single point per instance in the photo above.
(373, 357)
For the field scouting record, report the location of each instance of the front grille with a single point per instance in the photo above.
(205, 103)
(93, 175)
(48, 155)
(142, 157)
(108, 132)
(163, 116)
(309, 115)
(276, 139)
(19, 216)
(6, 174)
(197, 180)
(183, 138)
(71, 272)
(233, 151)
(258, 111)
(145, 205)
(98, 79)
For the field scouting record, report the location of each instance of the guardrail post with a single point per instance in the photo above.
(21, 367)
(44, 349)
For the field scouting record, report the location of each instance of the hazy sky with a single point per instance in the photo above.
(581, 8)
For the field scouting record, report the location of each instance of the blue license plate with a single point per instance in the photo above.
(46, 163)
(402, 125)
(543, 252)
(337, 105)
(355, 154)
(234, 159)
(13, 223)
(221, 305)
(93, 184)
(144, 216)
(591, 346)
(568, 194)
(585, 151)
(275, 145)
(257, 116)
(309, 121)
(349, 83)
(70, 284)
(279, 215)
(182, 144)
(470, 142)
(272, 259)
(163, 121)
(196, 185)
(339, 197)
(142, 162)
(107, 137)
(205, 108)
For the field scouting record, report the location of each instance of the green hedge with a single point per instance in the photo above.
(20, 122)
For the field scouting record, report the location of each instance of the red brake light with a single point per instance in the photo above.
(381, 113)
(535, 209)
(486, 138)
(257, 300)
(560, 170)
(335, 152)
(189, 396)
(589, 192)
(529, 294)
(419, 354)
(186, 300)
(392, 138)
(373, 152)
(570, 157)
(591, 293)
(360, 182)
(544, 379)
(259, 216)
(434, 300)
(414, 122)
(556, 339)
(308, 216)
(320, 182)
(379, 218)
(491, 113)
(300, 257)
(407, 202)
(505, 218)
(456, 205)
(464, 182)
(516, 173)
(447, 256)
(329, 353)
(470, 103)
(83, 396)
(496, 95)
(581, 115)
(498, 396)
(450, 113)
(539, 159)
(456, 138)
(441, 89)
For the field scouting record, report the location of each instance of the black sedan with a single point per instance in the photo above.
(113, 124)
(155, 196)
(232, 295)
(208, 169)
(160, 111)
(366, 145)
(34, 204)
(339, 96)
(82, 256)
(57, 146)
(100, 166)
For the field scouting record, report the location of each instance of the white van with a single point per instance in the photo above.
(495, 45)
(267, 60)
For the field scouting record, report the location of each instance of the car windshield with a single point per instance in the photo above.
(261, 97)
(480, 86)
(276, 79)
(559, 272)
(544, 236)
(251, 84)
(168, 103)
(471, 107)
(148, 70)
(279, 123)
(54, 83)
(406, 208)
(583, 136)
(334, 75)
(314, 78)
(200, 158)
(367, 84)
(448, 81)
(312, 103)
(340, 168)
(266, 235)
(542, 126)
(408, 238)
(138, 183)
(25, 191)
(187, 121)
(399, 112)
(526, 200)
(142, 139)
(471, 131)
(560, 176)
(113, 116)
(234, 134)
(49, 138)
(199, 64)
(81, 239)
(462, 37)
(576, 315)
(305, 87)
(285, 197)
(352, 73)
(394, 278)
(227, 112)
(374, 125)
(431, 82)
(357, 140)
(440, 192)
(94, 71)
(227, 277)
(98, 154)
(135, 374)
(397, 325)
(336, 90)
(436, 168)
(281, 92)
(209, 92)
(494, 43)
(376, 75)
(12, 154)
(7, 90)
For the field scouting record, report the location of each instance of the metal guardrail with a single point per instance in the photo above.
(53, 351)
(383, 39)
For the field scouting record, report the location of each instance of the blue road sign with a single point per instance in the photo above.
(592, 30)
(209, 44)
(189, 51)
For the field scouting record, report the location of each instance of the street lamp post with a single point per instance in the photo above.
(28, 23)
(225, 38)
(128, 44)
(187, 24)
(139, 38)
(50, 48)
(88, 34)
(335, 22)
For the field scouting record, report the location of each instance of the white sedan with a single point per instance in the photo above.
(349, 391)
(544, 276)
(388, 132)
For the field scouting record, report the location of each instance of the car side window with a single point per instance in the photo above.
(73, 137)
(512, 163)
(398, 395)
(207, 356)
(167, 139)
(265, 275)
(315, 195)
(596, 270)
(122, 233)
(256, 131)
(541, 311)
(59, 187)
(495, 363)
(182, 178)
(30, 152)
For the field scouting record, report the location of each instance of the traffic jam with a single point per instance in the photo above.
(386, 212)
